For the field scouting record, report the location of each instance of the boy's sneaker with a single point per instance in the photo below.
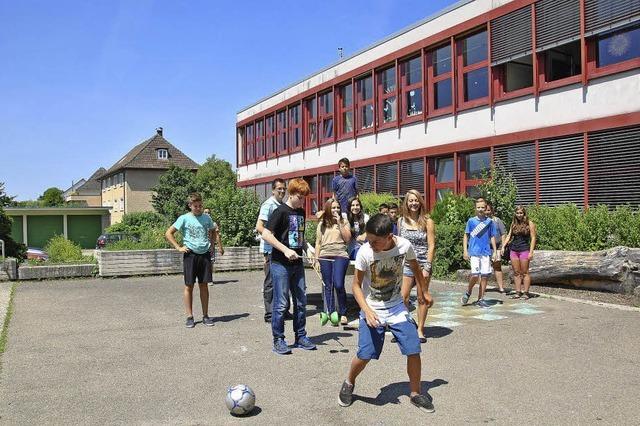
(190, 322)
(305, 343)
(423, 403)
(207, 320)
(280, 347)
(465, 298)
(483, 303)
(346, 394)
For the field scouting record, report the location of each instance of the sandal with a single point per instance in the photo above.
(422, 339)
(518, 295)
(526, 296)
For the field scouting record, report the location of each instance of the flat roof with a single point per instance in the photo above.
(359, 52)
(13, 211)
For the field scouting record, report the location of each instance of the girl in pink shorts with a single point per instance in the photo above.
(522, 240)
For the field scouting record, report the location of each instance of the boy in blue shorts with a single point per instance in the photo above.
(197, 230)
(378, 273)
(478, 242)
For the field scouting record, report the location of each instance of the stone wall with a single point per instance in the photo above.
(55, 271)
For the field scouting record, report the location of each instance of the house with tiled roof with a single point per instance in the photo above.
(88, 191)
(126, 186)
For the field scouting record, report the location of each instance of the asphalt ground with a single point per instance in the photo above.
(115, 351)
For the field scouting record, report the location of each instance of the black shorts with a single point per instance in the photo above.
(197, 266)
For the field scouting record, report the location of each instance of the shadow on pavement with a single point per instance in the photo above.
(257, 410)
(321, 339)
(224, 282)
(391, 394)
(436, 332)
(229, 318)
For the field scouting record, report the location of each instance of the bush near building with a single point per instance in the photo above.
(61, 250)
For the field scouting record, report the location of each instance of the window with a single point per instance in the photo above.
(618, 46)
(561, 62)
(312, 198)
(387, 178)
(311, 122)
(295, 128)
(514, 75)
(473, 75)
(520, 161)
(565, 156)
(346, 110)
(326, 191)
(260, 151)
(250, 150)
(241, 145)
(281, 119)
(440, 75)
(163, 154)
(270, 135)
(442, 178)
(412, 176)
(364, 104)
(411, 71)
(325, 117)
(364, 179)
(476, 166)
(387, 97)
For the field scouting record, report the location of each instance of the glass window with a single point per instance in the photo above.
(444, 170)
(618, 46)
(389, 109)
(327, 128)
(473, 192)
(442, 60)
(476, 84)
(312, 127)
(442, 94)
(413, 71)
(347, 122)
(365, 89)
(477, 164)
(367, 116)
(163, 154)
(388, 80)
(441, 193)
(474, 48)
(326, 103)
(518, 74)
(346, 94)
(562, 61)
(413, 102)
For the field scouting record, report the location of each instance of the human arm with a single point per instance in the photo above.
(345, 229)
(219, 240)
(494, 249)
(431, 243)
(465, 242)
(169, 235)
(534, 238)
(358, 294)
(506, 240)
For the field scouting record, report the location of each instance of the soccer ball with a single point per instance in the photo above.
(240, 399)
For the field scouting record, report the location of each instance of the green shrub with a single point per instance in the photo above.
(136, 223)
(453, 210)
(235, 210)
(150, 239)
(61, 250)
(371, 201)
(311, 227)
(500, 190)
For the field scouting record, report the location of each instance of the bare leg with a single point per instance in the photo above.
(517, 274)
(500, 280)
(204, 298)
(357, 365)
(187, 298)
(472, 281)
(414, 370)
(483, 287)
(526, 278)
(423, 310)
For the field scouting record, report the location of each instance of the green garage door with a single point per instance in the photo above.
(40, 229)
(84, 230)
(16, 229)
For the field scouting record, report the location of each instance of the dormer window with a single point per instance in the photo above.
(163, 154)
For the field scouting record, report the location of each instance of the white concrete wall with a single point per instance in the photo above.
(607, 96)
(458, 15)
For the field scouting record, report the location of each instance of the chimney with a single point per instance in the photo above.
(159, 131)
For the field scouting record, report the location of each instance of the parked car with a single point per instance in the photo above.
(112, 237)
(34, 253)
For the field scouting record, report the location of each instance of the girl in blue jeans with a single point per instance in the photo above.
(332, 237)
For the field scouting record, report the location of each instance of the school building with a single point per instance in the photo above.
(550, 89)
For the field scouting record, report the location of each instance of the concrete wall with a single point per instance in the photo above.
(138, 186)
(91, 200)
(55, 271)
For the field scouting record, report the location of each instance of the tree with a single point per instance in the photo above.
(235, 210)
(52, 197)
(501, 190)
(12, 248)
(172, 190)
(215, 174)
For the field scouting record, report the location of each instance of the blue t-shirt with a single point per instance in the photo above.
(480, 233)
(195, 231)
(265, 213)
(344, 188)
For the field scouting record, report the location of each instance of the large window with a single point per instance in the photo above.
(442, 179)
(514, 75)
(441, 76)
(326, 191)
(387, 97)
(325, 118)
(473, 75)
(364, 105)
(250, 143)
(561, 62)
(270, 135)
(412, 99)
(241, 144)
(295, 128)
(260, 151)
(311, 122)
(281, 118)
(312, 198)
(346, 110)
(618, 46)
(475, 167)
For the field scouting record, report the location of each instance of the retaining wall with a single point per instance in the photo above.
(55, 271)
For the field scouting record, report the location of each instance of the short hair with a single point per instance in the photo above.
(383, 206)
(481, 200)
(277, 181)
(345, 160)
(194, 197)
(379, 225)
(299, 186)
(393, 206)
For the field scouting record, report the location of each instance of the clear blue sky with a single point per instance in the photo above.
(82, 82)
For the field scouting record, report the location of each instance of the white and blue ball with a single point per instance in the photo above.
(240, 399)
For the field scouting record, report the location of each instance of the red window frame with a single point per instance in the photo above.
(281, 132)
(250, 150)
(313, 195)
(383, 96)
(543, 84)
(434, 185)
(260, 142)
(295, 125)
(324, 188)
(345, 94)
(464, 183)
(593, 71)
(361, 102)
(463, 70)
(326, 117)
(270, 135)
(310, 111)
(406, 88)
(241, 146)
(498, 77)
(434, 79)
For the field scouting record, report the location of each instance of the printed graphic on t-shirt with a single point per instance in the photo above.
(196, 232)
(480, 228)
(296, 231)
(386, 278)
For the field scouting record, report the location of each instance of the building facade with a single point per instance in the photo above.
(549, 89)
(86, 191)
